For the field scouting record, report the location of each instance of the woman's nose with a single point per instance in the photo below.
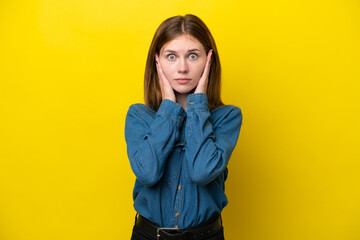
(183, 66)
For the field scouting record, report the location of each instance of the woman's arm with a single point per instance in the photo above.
(209, 146)
(150, 140)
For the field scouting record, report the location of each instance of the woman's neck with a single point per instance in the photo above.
(181, 99)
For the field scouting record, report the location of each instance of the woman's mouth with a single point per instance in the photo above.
(182, 80)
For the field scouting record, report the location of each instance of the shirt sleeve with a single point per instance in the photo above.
(209, 146)
(150, 140)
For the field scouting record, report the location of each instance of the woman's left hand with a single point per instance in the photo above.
(203, 82)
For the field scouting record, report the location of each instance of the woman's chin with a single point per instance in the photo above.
(184, 90)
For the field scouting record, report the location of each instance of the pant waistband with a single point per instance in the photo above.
(202, 231)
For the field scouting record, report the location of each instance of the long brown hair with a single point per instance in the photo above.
(167, 31)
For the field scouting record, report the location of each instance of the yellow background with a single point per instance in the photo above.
(70, 69)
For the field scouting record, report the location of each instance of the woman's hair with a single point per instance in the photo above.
(167, 31)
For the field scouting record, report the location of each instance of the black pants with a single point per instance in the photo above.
(139, 234)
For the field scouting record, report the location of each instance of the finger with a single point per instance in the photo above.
(202, 85)
(165, 86)
(206, 70)
(161, 81)
(208, 62)
(157, 62)
(162, 78)
(159, 68)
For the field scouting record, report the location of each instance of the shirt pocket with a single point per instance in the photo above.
(173, 166)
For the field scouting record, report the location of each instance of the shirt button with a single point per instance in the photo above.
(191, 102)
(177, 214)
(179, 187)
(180, 117)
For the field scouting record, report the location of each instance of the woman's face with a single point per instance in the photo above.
(183, 61)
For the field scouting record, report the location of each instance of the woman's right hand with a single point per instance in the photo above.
(167, 91)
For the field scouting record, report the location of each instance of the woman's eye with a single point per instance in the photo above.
(171, 57)
(193, 56)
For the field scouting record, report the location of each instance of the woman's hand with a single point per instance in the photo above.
(203, 82)
(167, 91)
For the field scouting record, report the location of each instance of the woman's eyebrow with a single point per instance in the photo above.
(190, 50)
(193, 50)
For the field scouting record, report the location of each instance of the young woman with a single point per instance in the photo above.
(180, 142)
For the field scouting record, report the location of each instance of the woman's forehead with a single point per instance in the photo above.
(183, 43)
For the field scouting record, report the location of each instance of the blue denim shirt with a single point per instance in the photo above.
(180, 159)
